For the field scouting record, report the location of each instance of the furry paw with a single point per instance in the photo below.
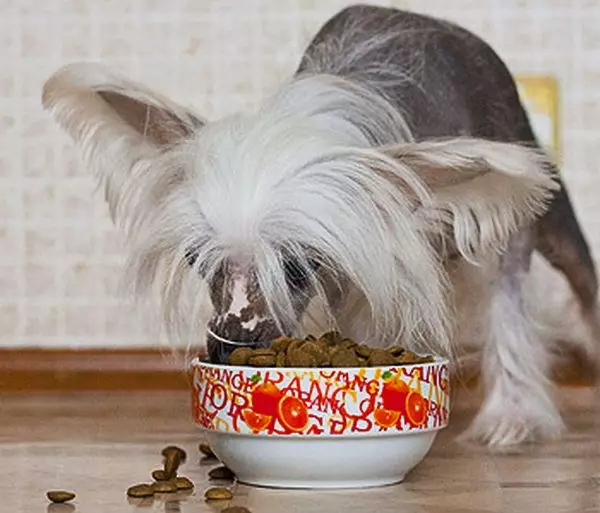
(505, 427)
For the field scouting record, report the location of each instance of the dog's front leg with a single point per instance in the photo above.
(518, 405)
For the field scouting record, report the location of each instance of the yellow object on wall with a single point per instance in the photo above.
(540, 97)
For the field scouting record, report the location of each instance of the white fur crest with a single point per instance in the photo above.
(325, 170)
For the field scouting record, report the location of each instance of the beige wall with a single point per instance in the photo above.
(59, 254)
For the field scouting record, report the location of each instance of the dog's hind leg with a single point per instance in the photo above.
(518, 404)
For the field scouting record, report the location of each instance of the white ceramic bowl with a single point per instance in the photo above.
(321, 428)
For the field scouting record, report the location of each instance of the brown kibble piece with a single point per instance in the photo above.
(294, 345)
(174, 456)
(363, 350)
(281, 359)
(60, 496)
(183, 483)
(240, 356)
(236, 509)
(322, 344)
(218, 494)
(311, 346)
(299, 358)
(159, 475)
(407, 357)
(344, 357)
(331, 337)
(173, 449)
(320, 355)
(206, 450)
(140, 490)
(264, 351)
(380, 357)
(164, 486)
(222, 473)
(281, 344)
(262, 360)
(396, 350)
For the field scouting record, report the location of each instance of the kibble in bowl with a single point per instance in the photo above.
(329, 350)
(321, 413)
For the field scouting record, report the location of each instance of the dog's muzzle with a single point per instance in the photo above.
(222, 338)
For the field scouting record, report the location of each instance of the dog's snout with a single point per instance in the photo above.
(220, 347)
(223, 338)
(225, 335)
(219, 351)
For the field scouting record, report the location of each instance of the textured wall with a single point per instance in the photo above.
(59, 254)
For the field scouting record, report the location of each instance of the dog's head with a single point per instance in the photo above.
(319, 193)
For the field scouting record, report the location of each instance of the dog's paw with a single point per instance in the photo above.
(507, 427)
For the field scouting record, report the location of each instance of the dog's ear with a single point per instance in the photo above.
(115, 122)
(482, 191)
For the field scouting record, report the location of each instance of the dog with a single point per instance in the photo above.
(393, 189)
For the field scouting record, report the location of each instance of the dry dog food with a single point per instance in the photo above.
(218, 493)
(205, 448)
(164, 486)
(140, 490)
(166, 479)
(330, 350)
(159, 475)
(60, 496)
(222, 473)
(183, 483)
(173, 457)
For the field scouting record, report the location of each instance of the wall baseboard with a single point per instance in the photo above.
(71, 370)
(63, 370)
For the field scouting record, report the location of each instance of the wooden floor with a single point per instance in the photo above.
(99, 443)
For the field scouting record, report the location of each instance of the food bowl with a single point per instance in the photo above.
(321, 427)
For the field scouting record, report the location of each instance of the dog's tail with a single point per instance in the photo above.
(559, 239)
(562, 243)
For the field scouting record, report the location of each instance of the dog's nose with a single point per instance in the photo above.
(225, 335)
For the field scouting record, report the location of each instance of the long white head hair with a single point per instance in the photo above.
(325, 173)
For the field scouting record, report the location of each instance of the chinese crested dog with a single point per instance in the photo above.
(392, 189)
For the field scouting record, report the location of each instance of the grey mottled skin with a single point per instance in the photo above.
(447, 82)
(455, 85)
